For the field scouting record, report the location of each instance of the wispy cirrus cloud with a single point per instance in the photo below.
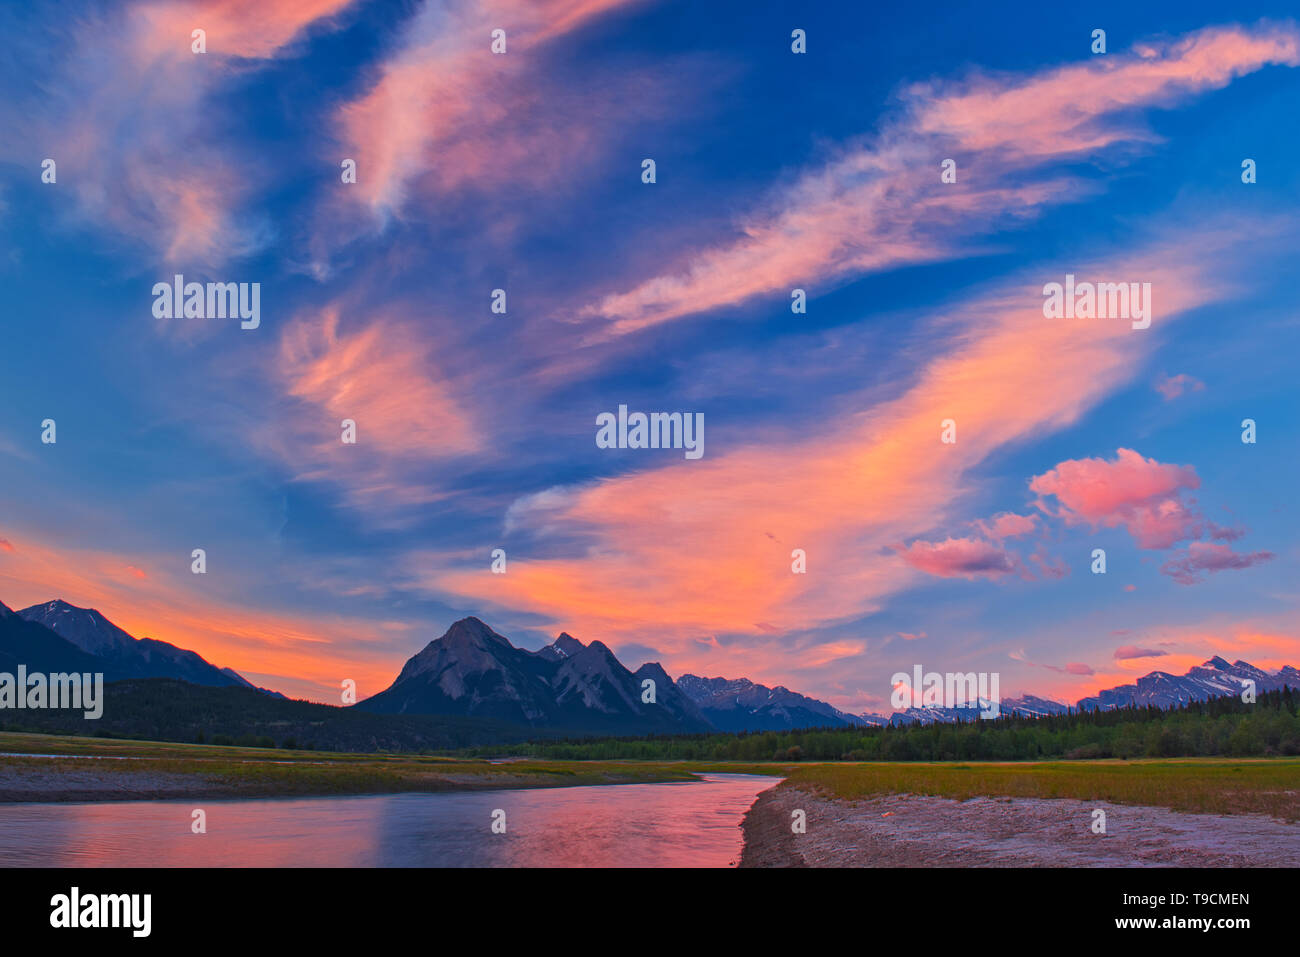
(447, 112)
(381, 373)
(880, 204)
(1189, 566)
(1070, 667)
(246, 29)
(703, 548)
(127, 117)
(1129, 652)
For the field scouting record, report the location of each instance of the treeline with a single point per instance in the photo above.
(1218, 727)
(165, 709)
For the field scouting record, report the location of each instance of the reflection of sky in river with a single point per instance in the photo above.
(629, 825)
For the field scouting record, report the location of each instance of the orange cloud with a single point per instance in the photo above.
(380, 374)
(251, 29)
(698, 548)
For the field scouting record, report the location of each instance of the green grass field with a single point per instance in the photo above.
(1201, 785)
(275, 772)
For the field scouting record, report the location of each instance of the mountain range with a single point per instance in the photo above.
(1212, 679)
(92, 643)
(471, 672)
(738, 704)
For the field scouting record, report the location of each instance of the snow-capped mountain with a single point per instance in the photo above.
(1213, 679)
(738, 704)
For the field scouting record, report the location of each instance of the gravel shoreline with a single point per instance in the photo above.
(60, 785)
(908, 830)
(60, 780)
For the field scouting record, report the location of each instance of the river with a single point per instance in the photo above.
(689, 824)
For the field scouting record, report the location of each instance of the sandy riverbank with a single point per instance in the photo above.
(924, 831)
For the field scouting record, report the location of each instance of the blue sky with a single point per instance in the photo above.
(774, 171)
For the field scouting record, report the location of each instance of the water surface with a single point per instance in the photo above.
(688, 824)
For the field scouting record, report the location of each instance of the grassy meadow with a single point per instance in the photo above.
(1199, 785)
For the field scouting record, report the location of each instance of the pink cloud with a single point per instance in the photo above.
(1057, 113)
(961, 558)
(1142, 495)
(1049, 567)
(871, 207)
(1070, 668)
(1207, 557)
(1221, 533)
(251, 29)
(447, 110)
(380, 373)
(1171, 387)
(128, 114)
(1007, 525)
(1133, 651)
(858, 215)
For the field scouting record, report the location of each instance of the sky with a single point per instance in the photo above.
(824, 429)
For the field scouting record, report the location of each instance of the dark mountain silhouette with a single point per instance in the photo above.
(27, 643)
(471, 670)
(119, 655)
(567, 688)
